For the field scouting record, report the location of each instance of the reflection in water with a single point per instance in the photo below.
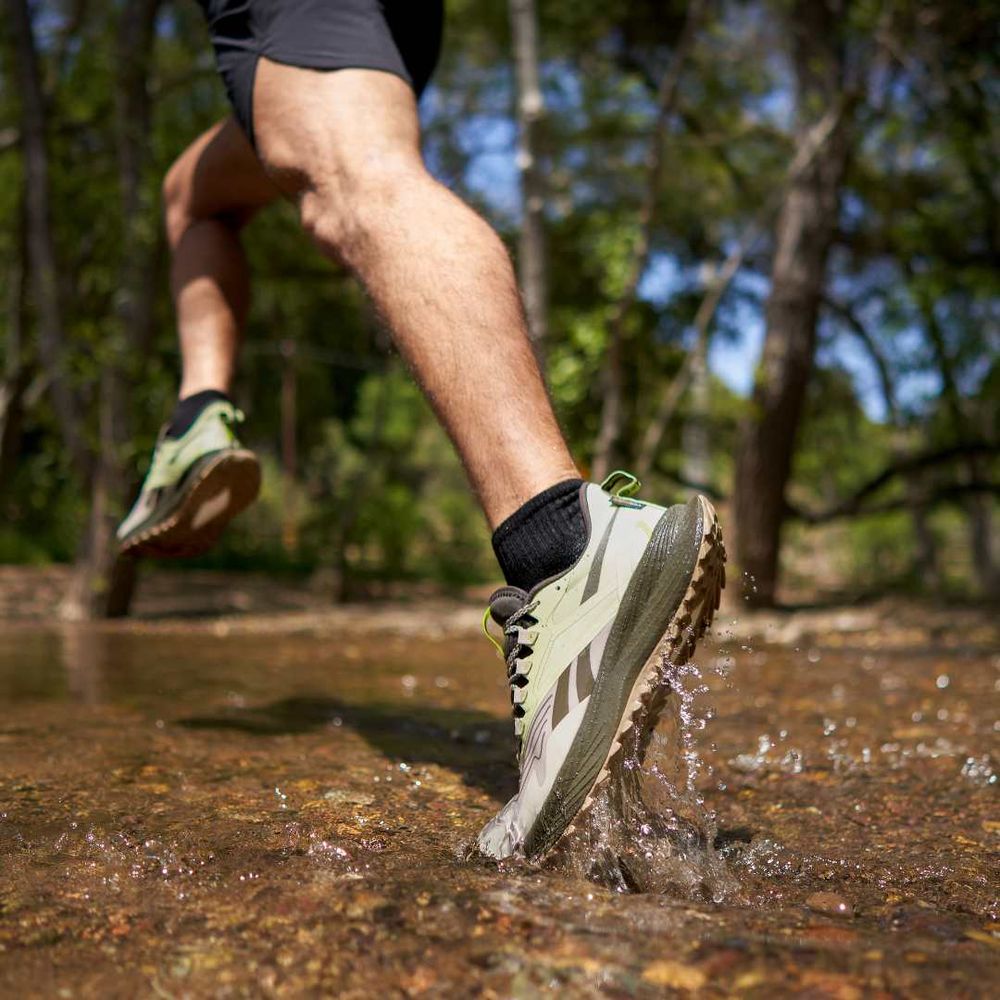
(188, 812)
(84, 653)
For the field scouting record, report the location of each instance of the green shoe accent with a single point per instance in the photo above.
(621, 483)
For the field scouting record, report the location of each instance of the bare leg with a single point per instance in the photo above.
(209, 194)
(345, 144)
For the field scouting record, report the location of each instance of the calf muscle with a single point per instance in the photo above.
(345, 145)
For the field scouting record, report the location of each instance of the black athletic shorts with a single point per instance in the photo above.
(399, 36)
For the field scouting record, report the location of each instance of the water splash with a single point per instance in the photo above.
(649, 829)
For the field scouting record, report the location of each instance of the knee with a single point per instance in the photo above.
(356, 201)
(185, 203)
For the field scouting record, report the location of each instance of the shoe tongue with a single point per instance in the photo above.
(505, 602)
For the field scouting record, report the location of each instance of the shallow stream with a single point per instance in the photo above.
(189, 808)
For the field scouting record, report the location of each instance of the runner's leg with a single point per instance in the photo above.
(212, 190)
(345, 145)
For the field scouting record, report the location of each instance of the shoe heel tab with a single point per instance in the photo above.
(621, 484)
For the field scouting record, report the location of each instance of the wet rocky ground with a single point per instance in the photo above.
(282, 804)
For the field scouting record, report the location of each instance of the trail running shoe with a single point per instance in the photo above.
(196, 485)
(584, 650)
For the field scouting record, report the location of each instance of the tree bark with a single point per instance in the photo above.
(695, 431)
(43, 268)
(531, 257)
(805, 230)
(17, 371)
(926, 565)
(289, 448)
(103, 583)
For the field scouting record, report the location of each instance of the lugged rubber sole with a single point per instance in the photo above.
(221, 486)
(689, 621)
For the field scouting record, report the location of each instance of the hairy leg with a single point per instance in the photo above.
(345, 144)
(209, 194)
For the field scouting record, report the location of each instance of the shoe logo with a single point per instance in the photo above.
(584, 684)
(534, 745)
(210, 509)
(560, 707)
(578, 678)
(594, 576)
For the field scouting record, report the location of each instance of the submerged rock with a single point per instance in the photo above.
(829, 903)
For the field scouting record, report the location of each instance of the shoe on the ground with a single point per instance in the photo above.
(584, 651)
(196, 484)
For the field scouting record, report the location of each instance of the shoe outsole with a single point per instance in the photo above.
(688, 624)
(179, 535)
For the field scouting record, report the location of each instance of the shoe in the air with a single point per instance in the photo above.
(196, 484)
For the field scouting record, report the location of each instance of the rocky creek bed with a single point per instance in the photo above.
(281, 804)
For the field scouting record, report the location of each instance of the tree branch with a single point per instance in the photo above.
(717, 288)
(854, 505)
(846, 313)
(943, 494)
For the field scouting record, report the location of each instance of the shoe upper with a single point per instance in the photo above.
(212, 431)
(555, 639)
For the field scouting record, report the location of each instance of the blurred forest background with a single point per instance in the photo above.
(758, 241)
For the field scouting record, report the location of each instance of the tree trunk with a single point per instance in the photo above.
(289, 449)
(695, 432)
(925, 552)
(979, 511)
(531, 260)
(16, 375)
(978, 508)
(12, 391)
(43, 269)
(811, 144)
(103, 583)
(805, 230)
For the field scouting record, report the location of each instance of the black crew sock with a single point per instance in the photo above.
(187, 409)
(544, 537)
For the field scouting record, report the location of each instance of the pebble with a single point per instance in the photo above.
(830, 903)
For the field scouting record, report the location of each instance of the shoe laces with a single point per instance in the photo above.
(513, 652)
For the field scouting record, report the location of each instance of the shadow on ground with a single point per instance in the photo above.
(475, 745)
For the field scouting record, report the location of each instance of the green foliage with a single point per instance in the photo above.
(382, 497)
(378, 493)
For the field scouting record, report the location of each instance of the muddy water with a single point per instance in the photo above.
(191, 809)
